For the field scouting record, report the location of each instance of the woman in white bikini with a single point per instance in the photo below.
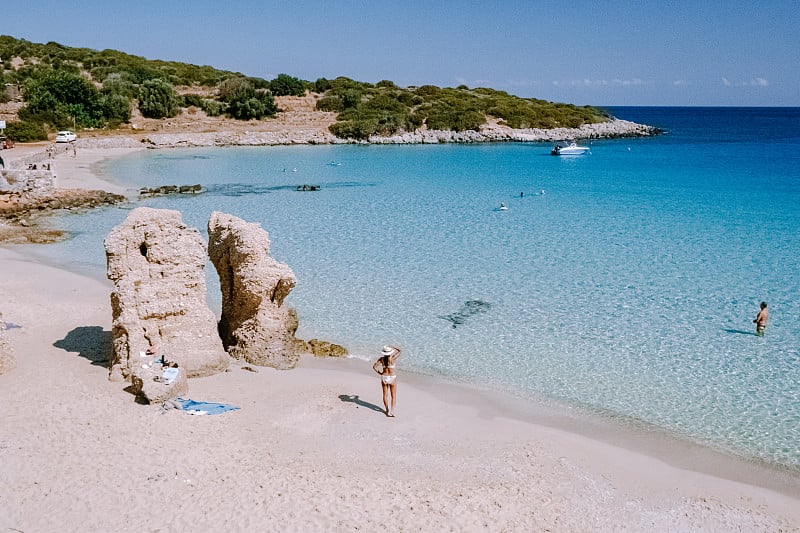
(384, 366)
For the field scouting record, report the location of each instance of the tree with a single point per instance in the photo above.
(157, 99)
(245, 102)
(116, 108)
(285, 85)
(62, 98)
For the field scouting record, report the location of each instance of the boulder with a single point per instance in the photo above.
(152, 385)
(255, 325)
(325, 349)
(159, 299)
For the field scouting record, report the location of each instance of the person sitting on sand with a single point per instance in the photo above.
(384, 366)
(761, 319)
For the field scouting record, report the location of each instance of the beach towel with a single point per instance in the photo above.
(169, 375)
(203, 408)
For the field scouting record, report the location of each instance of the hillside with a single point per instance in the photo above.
(51, 86)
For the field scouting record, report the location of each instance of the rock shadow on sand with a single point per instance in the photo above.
(353, 398)
(90, 342)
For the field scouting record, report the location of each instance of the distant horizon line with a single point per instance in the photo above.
(601, 106)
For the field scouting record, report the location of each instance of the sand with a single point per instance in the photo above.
(310, 449)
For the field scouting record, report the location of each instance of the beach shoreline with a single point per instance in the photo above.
(461, 455)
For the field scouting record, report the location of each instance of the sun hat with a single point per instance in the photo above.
(387, 350)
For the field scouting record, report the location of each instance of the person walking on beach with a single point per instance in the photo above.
(385, 366)
(761, 320)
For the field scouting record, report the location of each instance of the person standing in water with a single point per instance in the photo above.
(385, 366)
(761, 319)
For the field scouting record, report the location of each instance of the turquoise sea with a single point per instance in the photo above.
(623, 282)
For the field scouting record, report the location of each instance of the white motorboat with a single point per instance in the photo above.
(570, 149)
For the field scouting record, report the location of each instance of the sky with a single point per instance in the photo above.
(612, 53)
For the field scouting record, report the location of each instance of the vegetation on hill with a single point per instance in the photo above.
(385, 109)
(64, 87)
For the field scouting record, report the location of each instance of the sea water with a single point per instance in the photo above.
(624, 282)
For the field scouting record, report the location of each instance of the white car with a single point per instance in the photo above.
(65, 137)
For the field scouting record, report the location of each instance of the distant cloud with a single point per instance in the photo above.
(474, 83)
(586, 82)
(625, 83)
(522, 83)
(755, 82)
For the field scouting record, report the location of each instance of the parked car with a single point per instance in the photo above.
(65, 137)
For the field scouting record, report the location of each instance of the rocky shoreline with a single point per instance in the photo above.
(488, 133)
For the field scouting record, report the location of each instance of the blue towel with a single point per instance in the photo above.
(206, 408)
(169, 375)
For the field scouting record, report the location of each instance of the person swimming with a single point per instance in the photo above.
(503, 207)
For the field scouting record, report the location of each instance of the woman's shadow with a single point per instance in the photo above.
(353, 398)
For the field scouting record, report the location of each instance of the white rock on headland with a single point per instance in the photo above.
(159, 298)
(490, 132)
(255, 325)
(497, 133)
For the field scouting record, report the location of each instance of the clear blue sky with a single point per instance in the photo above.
(664, 52)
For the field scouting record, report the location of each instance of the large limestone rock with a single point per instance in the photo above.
(7, 361)
(255, 325)
(159, 298)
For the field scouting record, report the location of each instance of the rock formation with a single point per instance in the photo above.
(153, 385)
(159, 298)
(255, 325)
(7, 361)
(325, 349)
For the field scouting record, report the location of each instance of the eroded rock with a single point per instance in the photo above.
(255, 325)
(157, 265)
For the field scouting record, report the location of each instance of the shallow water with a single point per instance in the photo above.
(627, 287)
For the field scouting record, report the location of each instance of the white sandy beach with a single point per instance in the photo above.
(309, 450)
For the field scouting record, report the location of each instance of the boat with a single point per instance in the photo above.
(570, 149)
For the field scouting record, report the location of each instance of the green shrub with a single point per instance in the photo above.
(212, 108)
(116, 108)
(188, 100)
(63, 99)
(285, 85)
(23, 131)
(350, 98)
(330, 103)
(117, 84)
(232, 87)
(246, 108)
(244, 101)
(157, 99)
(322, 85)
(354, 129)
